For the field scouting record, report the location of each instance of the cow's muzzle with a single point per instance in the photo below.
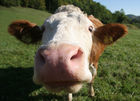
(61, 66)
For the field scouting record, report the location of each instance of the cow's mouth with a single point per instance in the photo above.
(62, 84)
(68, 86)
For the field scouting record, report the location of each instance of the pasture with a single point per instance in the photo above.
(118, 77)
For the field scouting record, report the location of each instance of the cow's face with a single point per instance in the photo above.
(62, 60)
(71, 42)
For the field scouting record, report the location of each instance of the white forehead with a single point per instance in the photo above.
(66, 23)
(67, 14)
(68, 17)
(68, 8)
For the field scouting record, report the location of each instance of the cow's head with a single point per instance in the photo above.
(71, 41)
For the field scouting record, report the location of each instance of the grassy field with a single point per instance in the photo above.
(118, 76)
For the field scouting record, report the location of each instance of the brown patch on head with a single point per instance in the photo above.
(25, 31)
(103, 36)
(96, 52)
(95, 21)
(97, 47)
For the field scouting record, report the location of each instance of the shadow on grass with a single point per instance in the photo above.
(16, 84)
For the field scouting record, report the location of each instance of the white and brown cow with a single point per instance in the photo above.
(71, 43)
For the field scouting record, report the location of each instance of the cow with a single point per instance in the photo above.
(72, 43)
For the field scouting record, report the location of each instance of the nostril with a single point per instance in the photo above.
(44, 54)
(77, 55)
(41, 56)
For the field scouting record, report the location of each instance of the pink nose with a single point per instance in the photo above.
(63, 62)
(68, 56)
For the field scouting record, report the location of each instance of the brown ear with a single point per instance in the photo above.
(25, 31)
(109, 33)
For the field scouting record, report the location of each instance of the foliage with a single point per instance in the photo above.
(9, 3)
(118, 76)
(88, 6)
(120, 17)
(101, 12)
(37, 4)
(51, 5)
(135, 20)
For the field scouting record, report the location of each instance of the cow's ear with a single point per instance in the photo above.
(109, 33)
(25, 31)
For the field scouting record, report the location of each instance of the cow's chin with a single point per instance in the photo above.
(70, 87)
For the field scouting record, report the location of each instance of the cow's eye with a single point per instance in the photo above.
(91, 29)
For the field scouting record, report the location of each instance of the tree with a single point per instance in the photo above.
(9, 3)
(101, 12)
(37, 4)
(24, 3)
(120, 17)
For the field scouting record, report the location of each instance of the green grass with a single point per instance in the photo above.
(118, 76)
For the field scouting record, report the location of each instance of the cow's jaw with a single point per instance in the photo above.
(65, 29)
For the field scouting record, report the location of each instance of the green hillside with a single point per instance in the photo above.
(118, 76)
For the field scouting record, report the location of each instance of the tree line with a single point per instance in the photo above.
(88, 6)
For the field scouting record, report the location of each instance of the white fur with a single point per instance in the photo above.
(70, 25)
(68, 8)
